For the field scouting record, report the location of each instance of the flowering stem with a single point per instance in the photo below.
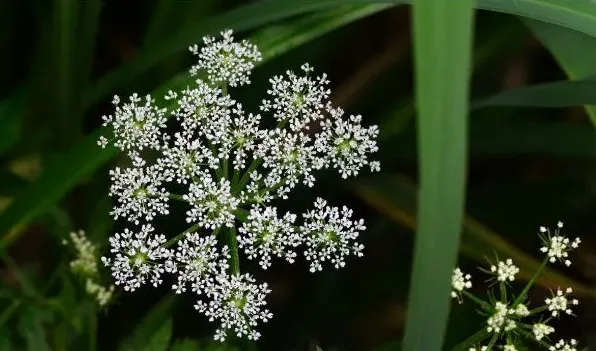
(181, 235)
(524, 292)
(478, 301)
(478, 337)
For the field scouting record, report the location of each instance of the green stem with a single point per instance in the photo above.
(524, 292)
(230, 237)
(478, 337)
(485, 306)
(177, 238)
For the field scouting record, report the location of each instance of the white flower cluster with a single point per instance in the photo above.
(507, 315)
(85, 265)
(227, 168)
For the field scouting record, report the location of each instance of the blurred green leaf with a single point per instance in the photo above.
(442, 54)
(12, 111)
(575, 52)
(185, 345)
(395, 197)
(72, 166)
(579, 15)
(555, 94)
(160, 340)
(152, 325)
(5, 340)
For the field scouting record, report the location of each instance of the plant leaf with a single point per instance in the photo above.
(442, 52)
(555, 94)
(152, 326)
(575, 52)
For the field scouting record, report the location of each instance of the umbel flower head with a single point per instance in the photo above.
(508, 317)
(229, 170)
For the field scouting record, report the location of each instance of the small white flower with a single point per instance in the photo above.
(139, 192)
(509, 347)
(346, 144)
(212, 203)
(204, 111)
(226, 61)
(557, 247)
(541, 330)
(237, 304)
(520, 310)
(264, 234)
(560, 303)
(137, 258)
(102, 294)
(563, 345)
(505, 271)
(297, 100)
(86, 261)
(188, 158)
(498, 321)
(288, 158)
(136, 125)
(459, 282)
(482, 348)
(330, 235)
(199, 261)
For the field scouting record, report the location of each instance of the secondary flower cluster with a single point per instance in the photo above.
(509, 318)
(85, 265)
(203, 149)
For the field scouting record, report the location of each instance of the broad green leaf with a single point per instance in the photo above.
(575, 52)
(396, 198)
(555, 94)
(82, 160)
(442, 57)
(151, 325)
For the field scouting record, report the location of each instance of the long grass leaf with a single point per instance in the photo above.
(442, 56)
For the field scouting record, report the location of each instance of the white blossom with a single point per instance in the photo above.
(86, 260)
(459, 282)
(137, 258)
(542, 330)
(505, 270)
(198, 261)
(139, 193)
(330, 235)
(499, 321)
(346, 144)
(297, 100)
(264, 234)
(560, 303)
(237, 304)
(226, 61)
(136, 125)
(212, 203)
(563, 345)
(557, 247)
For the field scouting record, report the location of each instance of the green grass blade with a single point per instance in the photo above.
(555, 94)
(578, 15)
(86, 157)
(575, 52)
(442, 56)
(396, 198)
(242, 18)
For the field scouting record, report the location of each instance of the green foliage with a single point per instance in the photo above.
(442, 55)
